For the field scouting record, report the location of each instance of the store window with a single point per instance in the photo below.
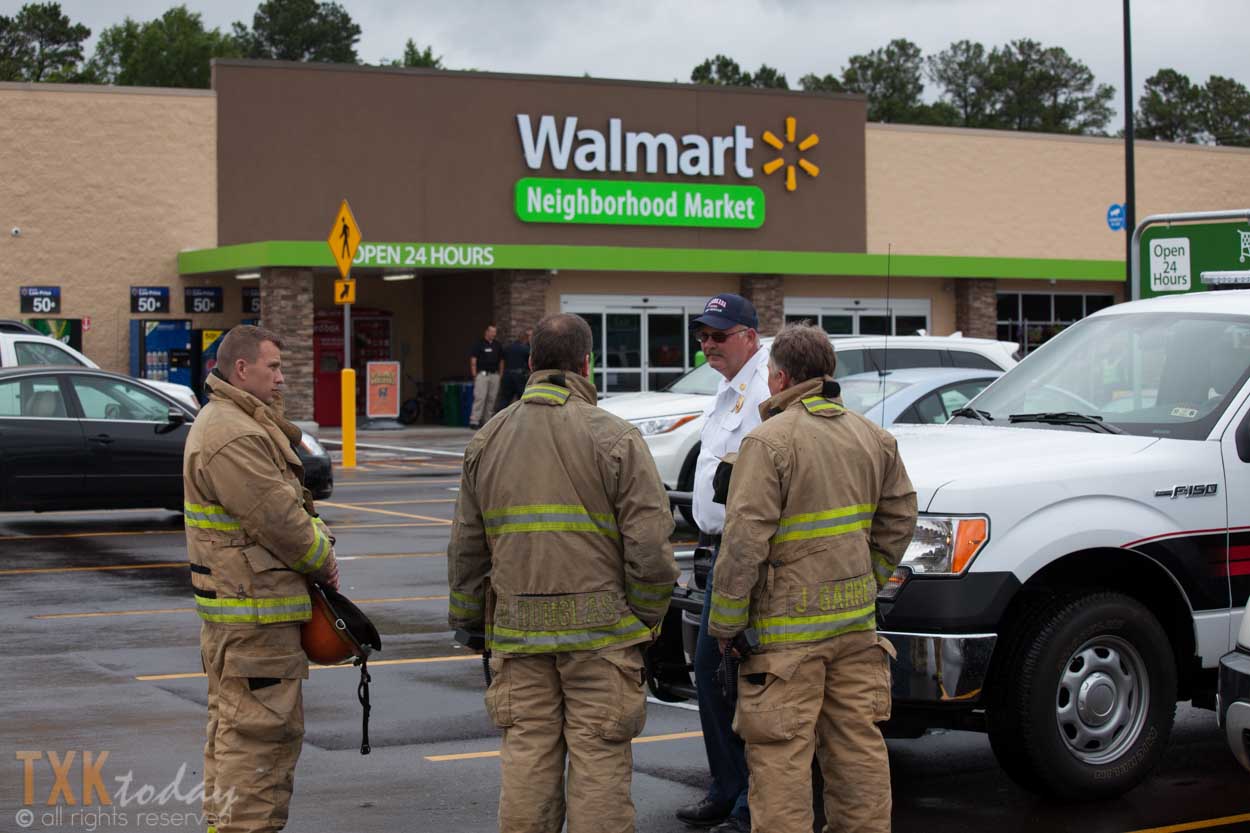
(641, 343)
(861, 316)
(1030, 319)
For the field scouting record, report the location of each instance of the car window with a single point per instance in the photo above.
(863, 360)
(861, 394)
(104, 398)
(955, 396)
(966, 358)
(40, 397)
(929, 409)
(42, 353)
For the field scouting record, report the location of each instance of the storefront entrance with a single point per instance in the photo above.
(862, 316)
(641, 343)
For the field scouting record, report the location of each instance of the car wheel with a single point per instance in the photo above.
(685, 483)
(1085, 698)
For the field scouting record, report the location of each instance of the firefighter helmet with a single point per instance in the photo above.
(338, 630)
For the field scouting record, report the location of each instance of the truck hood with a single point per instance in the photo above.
(984, 459)
(651, 405)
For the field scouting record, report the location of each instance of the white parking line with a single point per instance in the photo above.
(690, 707)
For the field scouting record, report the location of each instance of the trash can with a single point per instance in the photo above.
(451, 403)
(466, 402)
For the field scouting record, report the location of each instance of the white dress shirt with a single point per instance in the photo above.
(730, 417)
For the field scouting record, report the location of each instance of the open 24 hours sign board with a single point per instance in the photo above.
(1174, 257)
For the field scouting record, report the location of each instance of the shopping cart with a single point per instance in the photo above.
(1245, 244)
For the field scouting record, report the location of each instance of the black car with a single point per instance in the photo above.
(78, 438)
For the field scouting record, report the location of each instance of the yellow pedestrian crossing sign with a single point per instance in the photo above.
(344, 239)
(345, 292)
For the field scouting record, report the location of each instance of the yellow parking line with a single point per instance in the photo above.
(337, 526)
(358, 508)
(467, 756)
(1197, 825)
(372, 664)
(167, 610)
(183, 564)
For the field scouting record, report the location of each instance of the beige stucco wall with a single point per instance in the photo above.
(107, 185)
(658, 284)
(996, 193)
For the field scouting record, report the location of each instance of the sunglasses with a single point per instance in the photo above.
(718, 337)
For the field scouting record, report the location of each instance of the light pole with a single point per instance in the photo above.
(1130, 189)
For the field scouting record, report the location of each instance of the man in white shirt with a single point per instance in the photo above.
(727, 333)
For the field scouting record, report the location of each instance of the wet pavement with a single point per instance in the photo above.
(101, 657)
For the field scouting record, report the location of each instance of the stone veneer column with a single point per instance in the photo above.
(976, 307)
(520, 302)
(286, 307)
(767, 293)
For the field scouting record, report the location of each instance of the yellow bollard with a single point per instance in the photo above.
(349, 418)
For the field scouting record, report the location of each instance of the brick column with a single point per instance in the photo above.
(286, 307)
(767, 293)
(520, 301)
(976, 307)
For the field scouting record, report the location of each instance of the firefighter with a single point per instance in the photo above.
(820, 513)
(560, 551)
(253, 541)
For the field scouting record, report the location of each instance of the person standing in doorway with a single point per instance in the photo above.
(516, 368)
(484, 369)
(727, 334)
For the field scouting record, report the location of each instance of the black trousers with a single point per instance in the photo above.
(511, 387)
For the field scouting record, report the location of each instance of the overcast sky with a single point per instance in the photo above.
(662, 41)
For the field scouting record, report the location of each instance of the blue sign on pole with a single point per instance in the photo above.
(1115, 216)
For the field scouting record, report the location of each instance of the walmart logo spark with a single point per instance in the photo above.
(808, 168)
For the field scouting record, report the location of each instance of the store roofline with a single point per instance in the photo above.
(401, 257)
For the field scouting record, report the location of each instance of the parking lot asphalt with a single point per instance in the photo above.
(101, 659)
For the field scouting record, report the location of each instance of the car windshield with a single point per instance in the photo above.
(1150, 374)
(861, 394)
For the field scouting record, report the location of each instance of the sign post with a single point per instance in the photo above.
(1171, 252)
(344, 239)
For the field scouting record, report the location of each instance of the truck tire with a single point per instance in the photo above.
(685, 482)
(1085, 698)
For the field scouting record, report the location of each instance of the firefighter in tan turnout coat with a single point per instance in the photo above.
(820, 512)
(253, 544)
(560, 551)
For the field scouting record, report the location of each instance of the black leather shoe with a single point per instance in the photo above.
(705, 813)
(733, 824)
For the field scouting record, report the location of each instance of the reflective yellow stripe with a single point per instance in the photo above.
(816, 404)
(315, 558)
(785, 629)
(254, 611)
(208, 516)
(650, 597)
(882, 567)
(825, 524)
(464, 605)
(549, 517)
(727, 612)
(543, 392)
(512, 640)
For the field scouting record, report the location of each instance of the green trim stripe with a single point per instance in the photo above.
(208, 516)
(783, 629)
(549, 517)
(254, 611)
(512, 640)
(316, 254)
(825, 524)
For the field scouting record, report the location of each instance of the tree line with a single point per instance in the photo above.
(41, 43)
(1021, 85)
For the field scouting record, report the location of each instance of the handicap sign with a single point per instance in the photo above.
(1115, 216)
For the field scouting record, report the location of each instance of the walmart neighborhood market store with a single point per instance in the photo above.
(501, 198)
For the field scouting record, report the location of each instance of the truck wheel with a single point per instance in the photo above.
(1085, 698)
(685, 483)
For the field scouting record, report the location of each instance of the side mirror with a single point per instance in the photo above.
(173, 419)
(1242, 438)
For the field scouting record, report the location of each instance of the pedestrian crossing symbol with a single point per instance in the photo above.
(345, 292)
(344, 239)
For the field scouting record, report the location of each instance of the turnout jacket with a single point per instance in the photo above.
(561, 536)
(251, 536)
(820, 512)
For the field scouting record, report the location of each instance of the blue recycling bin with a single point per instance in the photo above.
(466, 402)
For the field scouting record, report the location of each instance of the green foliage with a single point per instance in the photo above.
(814, 83)
(40, 43)
(1170, 108)
(1226, 112)
(725, 71)
(415, 57)
(962, 71)
(172, 51)
(891, 80)
(1046, 90)
(300, 30)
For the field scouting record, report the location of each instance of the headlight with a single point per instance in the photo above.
(945, 545)
(310, 444)
(662, 425)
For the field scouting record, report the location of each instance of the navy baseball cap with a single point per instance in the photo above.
(726, 310)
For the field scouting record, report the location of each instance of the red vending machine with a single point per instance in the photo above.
(371, 341)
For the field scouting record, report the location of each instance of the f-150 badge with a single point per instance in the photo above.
(1196, 490)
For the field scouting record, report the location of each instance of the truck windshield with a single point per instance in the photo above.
(1151, 374)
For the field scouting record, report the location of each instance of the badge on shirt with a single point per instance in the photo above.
(738, 405)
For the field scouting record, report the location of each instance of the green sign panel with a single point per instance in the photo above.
(1173, 258)
(630, 203)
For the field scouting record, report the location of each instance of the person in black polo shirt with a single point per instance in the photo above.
(516, 369)
(484, 368)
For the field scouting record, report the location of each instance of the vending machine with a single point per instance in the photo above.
(161, 351)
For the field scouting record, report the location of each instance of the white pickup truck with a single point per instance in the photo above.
(1082, 558)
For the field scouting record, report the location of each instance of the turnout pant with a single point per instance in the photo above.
(585, 706)
(824, 698)
(255, 724)
(485, 392)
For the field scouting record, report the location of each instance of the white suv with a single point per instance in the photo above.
(22, 346)
(672, 419)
